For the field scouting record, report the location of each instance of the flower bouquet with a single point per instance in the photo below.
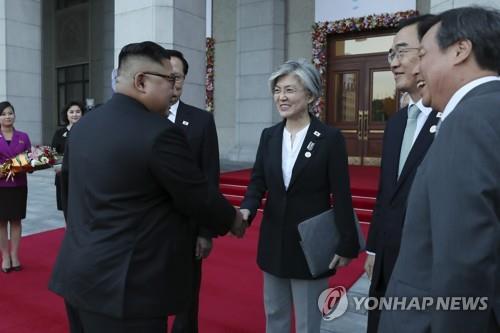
(40, 157)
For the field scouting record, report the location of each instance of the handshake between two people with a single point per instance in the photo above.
(240, 223)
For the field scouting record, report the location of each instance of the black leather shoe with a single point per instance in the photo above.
(17, 268)
(6, 270)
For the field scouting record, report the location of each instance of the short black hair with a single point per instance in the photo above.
(64, 111)
(479, 25)
(148, 49)
(178, 54)
(413, 20)
(4, 105)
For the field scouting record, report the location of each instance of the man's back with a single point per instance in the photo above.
(131, 179)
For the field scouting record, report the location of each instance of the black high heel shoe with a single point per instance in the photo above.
(6, 270)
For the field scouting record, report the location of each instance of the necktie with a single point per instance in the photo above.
(411, 125)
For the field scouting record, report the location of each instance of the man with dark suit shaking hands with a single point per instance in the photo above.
(199, 127)
(450, 248)
(129, 180)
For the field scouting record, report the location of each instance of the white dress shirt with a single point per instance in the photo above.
(289, 152)
(460, 93)
(422, 117)
(173, 111)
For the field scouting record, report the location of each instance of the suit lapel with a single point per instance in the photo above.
(275, 150)
(182, 118)
(314, 134)
(419, 148)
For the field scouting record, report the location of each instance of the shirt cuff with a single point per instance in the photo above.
(370, 253)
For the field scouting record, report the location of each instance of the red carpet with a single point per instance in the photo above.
(364, 180)
(26, 305)
(231, 298)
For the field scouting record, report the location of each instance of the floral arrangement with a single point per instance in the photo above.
(321, 30)
(38, 158)
(209, 75)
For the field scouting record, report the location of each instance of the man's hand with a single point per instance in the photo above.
(203, 247)
(239, 225)
(339, 261)
(57, 168)
(245, 213)
(370, 260)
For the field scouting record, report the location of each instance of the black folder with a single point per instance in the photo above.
(320, 239)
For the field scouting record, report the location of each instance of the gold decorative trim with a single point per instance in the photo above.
(377, 131)
(371, 161)
(354, 160)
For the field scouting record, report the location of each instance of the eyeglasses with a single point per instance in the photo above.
(286, 91)
(178, 78)
(399, 53)
(169, 78)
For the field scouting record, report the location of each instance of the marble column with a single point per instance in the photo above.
(20, 63)
(172, 24)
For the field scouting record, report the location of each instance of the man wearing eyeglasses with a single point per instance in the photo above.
(130, 180)
(450, 247)
(408, 135)
(199, 127)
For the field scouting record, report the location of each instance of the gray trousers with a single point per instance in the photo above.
(283, 295)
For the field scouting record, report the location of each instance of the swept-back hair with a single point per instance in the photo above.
(414, 20)
(479, 25)
(304, 70)
(147, 49)
(178, 54)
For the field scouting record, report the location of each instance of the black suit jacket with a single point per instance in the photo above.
(59, 143)
(132, 180)
(59, 139)
(451, 238)
(313, 179)
(384, 237)
(201, 133)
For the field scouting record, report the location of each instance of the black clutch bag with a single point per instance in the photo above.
(319, 240)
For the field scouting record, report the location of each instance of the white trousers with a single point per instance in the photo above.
(279, 296)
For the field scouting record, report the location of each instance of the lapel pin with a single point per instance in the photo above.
(307, 154)
(317, 133)
(310, 145)
(433, 129)
(439, 115)
(185, 123)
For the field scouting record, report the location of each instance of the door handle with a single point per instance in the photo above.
(360, 125)
(365, 127)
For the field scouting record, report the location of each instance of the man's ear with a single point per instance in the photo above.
(139, 83)
(462, 51)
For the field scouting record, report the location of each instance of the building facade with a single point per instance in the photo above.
(55, 51)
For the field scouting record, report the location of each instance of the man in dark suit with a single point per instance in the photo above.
(199, 127)
(451, 240)
(130, 180)
(407, 137)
